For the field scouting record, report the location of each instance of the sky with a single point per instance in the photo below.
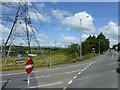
(61, 23)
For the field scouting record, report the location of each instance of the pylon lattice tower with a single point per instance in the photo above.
(22, 28)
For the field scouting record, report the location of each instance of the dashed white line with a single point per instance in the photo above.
(79, 73)
(85, 68)
(89, 77)
(47, 85)
(45, 70)
(82, 70)
(55, 74)
(75, 77)
(70, 82)
(64, 88)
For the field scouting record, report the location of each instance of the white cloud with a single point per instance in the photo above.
(73, 21)
(35, 15)
(66, 40)
(111, 32)
(84, 37)
(86, 23)
(68, 29)
(57, 28)
(60, 14)
(40, 5)
(4, 29)
(22, 28)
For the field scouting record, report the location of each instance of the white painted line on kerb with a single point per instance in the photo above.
(5, 81)
(45, 70)
(56, 74)
(70, 82)
(47, 85)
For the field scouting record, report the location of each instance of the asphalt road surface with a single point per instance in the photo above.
(94, 73)
(102, 74)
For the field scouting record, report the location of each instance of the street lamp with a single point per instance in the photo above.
(80, 36)
(100, 45)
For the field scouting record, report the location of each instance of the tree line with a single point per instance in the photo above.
(92, 44)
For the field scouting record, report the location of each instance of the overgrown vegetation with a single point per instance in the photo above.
(56, 55)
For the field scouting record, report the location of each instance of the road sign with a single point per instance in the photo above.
(29, 66)
(19, 55)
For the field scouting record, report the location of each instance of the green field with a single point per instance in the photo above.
(56, 59)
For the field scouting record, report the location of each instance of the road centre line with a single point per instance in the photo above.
(56, 74)
(45, 70)
(89, 77)
(70, 82)
(46, 85)
(78, 74)
(64, 88)
(75, 77)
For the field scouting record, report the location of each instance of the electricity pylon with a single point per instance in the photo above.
(22, 28)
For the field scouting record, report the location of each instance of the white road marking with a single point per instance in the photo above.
(79, 73)
(85, 68)
(47, 85)
(75, 77)
(113, 71)
(70, 82)
(112, 63)
(5, 81)
(45, 70)
(82, 70)
(64, 88)
(89, 77)
(56, 74)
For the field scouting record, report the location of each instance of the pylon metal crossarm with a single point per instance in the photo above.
(9, 4)
(22, 28)
(38, 43)
(16, 18)
(6, 17)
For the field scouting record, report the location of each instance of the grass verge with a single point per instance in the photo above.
(56, 59)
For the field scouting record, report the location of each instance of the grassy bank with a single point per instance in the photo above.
(56, 59)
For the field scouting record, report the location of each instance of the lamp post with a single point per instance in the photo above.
(100, 45)
(80, 36)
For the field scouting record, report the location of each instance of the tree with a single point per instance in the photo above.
(116, 45)
(93, 42)
(72, 50)
(89, 44)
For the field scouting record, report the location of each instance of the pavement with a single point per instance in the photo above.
(94, 73)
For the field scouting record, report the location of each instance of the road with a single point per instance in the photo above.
(101, 74)
(94, 73)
